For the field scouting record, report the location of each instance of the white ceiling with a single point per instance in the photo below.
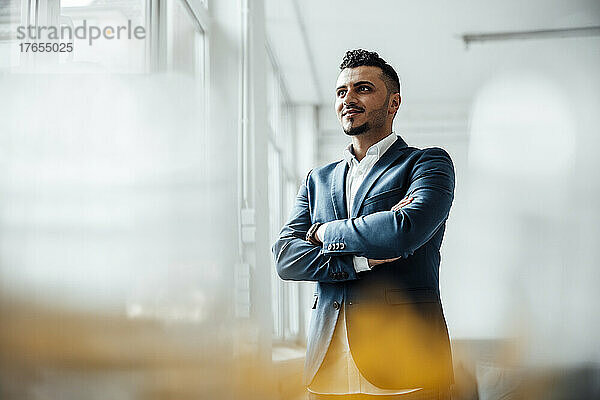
(421, 39)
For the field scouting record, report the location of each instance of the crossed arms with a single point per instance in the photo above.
(379, 236)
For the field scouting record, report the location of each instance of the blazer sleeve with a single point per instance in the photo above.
(298, 260)
(390, 234)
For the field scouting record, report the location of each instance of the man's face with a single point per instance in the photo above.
(361, 99)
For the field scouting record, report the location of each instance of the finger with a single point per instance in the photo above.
(402, 203)
(377, 262)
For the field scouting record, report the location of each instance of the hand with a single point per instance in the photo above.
(404, 202)
(373, 263)
(321, 232)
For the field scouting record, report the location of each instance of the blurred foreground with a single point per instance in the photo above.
(48, 353)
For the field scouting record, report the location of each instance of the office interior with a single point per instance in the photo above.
(143, 182)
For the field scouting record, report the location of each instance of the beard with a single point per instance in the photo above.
(357, 130)
(376, 120)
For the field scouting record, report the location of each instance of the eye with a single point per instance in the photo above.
(341, 92)
(364, 88)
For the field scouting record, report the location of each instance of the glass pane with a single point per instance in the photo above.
(97, 183)
(293, 310)
(185, 39)
(10, 17)
(271, 98)
(275, 225)
(121, 43)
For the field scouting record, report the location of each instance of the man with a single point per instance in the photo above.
(368, 229)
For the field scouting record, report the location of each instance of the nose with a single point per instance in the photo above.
(349, 99)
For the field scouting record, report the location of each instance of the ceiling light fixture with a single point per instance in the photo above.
(587, 31)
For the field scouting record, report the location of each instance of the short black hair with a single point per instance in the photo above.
(360, 57)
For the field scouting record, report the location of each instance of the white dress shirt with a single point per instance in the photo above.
(338, 373)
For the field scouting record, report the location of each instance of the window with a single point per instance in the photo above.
(103, 205)
(10, 17)
(123, 54)
(289, 311)
(185, 39)
(275, 207)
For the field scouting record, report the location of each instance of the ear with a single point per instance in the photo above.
(394, 103)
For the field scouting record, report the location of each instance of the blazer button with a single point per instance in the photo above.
(344, 275)
(337, 246)
(336, 305)
(329, 246)
(342, 246)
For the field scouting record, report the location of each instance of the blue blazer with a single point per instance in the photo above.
(396, 327)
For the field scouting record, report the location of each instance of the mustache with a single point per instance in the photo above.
(352, 108)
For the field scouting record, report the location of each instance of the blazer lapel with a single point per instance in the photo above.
(338, 190)
(378, 169)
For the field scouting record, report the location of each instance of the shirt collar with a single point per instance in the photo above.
(378, 149)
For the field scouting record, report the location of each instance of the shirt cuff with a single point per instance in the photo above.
(360, 264)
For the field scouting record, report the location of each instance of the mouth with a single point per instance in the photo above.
(352, 112)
